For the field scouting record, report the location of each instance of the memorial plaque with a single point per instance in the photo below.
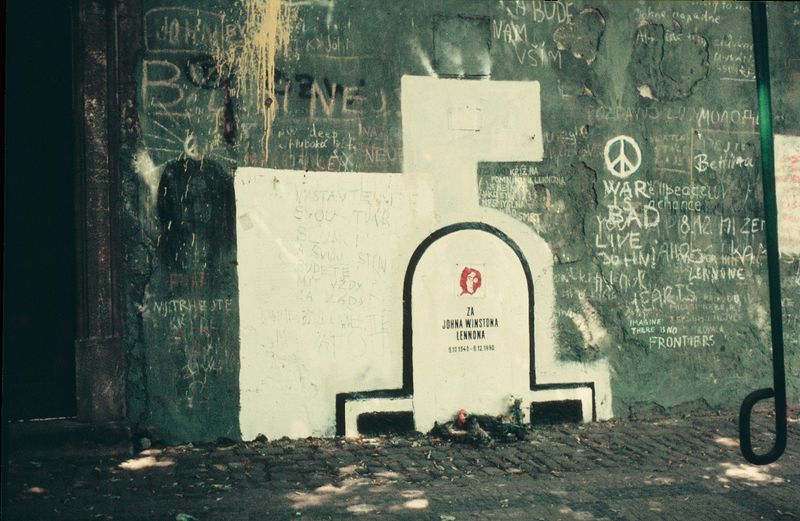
(471, 337)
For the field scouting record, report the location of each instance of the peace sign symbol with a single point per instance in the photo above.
(622, 165)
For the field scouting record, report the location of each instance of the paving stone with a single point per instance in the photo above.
(666, 469)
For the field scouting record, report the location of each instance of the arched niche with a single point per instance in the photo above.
(468, 296)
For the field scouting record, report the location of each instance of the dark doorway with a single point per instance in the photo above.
(39, 270)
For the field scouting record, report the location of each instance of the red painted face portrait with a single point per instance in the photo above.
(470, 281)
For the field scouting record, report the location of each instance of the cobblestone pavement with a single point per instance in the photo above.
(685, 468)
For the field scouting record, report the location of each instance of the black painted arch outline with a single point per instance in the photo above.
(407, 390)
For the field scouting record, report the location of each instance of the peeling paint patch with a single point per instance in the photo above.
(148, 172)
(671, 64)
(581, 34)
(646, 92)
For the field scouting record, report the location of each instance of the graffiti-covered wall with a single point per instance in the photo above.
(339, 208)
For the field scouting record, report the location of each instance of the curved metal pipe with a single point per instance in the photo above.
(758, 12)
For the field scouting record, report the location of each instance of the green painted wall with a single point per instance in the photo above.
(662, 273)
(784, 48)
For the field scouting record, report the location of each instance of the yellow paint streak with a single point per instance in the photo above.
(266, 30)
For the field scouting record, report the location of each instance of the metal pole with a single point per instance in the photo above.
(758, 11)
